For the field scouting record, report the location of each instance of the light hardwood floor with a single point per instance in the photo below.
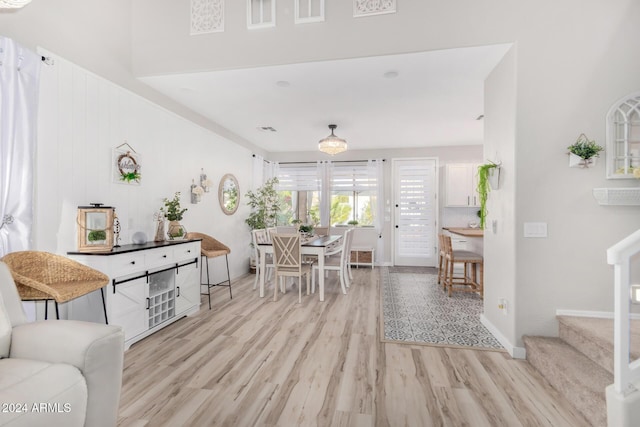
(254, 362)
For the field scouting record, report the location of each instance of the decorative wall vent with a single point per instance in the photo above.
(309, 11)
(207, 16)
(373, 7)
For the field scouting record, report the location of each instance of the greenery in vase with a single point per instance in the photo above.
(585, 148)
(171, 209)
(305, 228)
(483, 190)
(265, 205)
(96, 235)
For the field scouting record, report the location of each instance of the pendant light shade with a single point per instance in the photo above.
(13, 4)
(332, 144)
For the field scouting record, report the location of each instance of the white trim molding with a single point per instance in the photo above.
(207, 16)
(515, 352)
(373, 7)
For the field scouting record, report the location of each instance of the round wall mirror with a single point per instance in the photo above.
(228, 192)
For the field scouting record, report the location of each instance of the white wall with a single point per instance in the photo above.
(82, 118)
(96, 35)
(500, 243)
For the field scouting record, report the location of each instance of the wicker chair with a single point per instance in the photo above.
(212, 248)
(43, 276)
(288, 261)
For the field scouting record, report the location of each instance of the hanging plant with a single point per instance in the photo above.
(483, 189)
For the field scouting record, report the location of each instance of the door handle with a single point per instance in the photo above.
(148, 303)
(178, 294)
(397, 226)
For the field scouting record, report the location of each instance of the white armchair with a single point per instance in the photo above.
(56, 372)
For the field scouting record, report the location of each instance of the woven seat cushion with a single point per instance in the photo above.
(305, 268)
(466, 256)
(215, 253)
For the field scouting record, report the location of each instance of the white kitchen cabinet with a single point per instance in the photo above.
(150, 286)
(461, 181)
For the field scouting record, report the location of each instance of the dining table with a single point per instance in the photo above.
(314, 245)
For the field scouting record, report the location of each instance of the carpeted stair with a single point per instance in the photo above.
(579, 363)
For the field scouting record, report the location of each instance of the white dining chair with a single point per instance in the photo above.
(261, 236)
(288, 262)
(337, 260)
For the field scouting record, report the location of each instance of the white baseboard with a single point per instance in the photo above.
(515, 352)
(595, 314)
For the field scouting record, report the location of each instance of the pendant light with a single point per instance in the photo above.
(332, 144)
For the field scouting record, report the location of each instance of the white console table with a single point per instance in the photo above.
(150, 286)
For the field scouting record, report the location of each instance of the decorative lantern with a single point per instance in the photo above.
(95, 228)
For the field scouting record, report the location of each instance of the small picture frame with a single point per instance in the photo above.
(95, 228)
(126, 165)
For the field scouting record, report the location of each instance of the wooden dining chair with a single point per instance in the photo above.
(321, 231)
(337, 260)
(43, 276)
(472, 273)
(288, 262)
(261, 236)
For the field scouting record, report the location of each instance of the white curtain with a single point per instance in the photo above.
(376, 173)
(325, 192)
(19, 75)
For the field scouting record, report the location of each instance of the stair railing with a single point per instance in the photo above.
(626, 372)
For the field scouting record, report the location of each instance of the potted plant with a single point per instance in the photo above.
(97, 236)
(296, 223)
(484, 176)
(173, 212)
(305, 229)
(353, 223)
(583, 152)
(265, 205)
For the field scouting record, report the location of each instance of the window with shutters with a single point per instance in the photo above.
(261, 13)
(299, 190)
(353, 194)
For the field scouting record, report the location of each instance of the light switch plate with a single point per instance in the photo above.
(535, 229)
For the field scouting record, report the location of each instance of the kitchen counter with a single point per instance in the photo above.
(466, 232)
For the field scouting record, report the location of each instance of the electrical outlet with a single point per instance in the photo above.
(502, 305)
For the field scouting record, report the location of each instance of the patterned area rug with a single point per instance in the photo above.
(416, 310)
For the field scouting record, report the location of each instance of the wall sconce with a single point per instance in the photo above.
(196, 193)
(205, 183)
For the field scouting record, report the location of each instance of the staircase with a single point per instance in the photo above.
(579, 363)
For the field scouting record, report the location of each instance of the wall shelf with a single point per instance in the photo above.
(618, 196)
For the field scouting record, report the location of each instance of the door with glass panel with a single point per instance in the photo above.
(415, 209)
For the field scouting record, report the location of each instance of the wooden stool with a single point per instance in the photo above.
(470, 260)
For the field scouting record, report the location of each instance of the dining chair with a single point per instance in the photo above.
(261, 236)
(321, 231)
(472, 261)
(288, 262)
(441, 257)
(338, 260)
(212, 248)
(43, 276)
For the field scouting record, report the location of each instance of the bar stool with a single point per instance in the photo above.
(470, 260)
(43, 276)
(212, 248)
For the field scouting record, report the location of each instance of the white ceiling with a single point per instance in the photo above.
(434, 100)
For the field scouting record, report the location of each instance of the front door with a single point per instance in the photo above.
(415, 211)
